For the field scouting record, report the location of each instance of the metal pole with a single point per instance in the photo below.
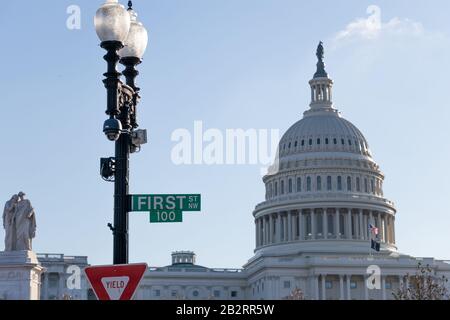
(121, 188)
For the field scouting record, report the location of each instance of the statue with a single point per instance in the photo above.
(320, 73)
(320, 51)
(20, 223)
(8, 223)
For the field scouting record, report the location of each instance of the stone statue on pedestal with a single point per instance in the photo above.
(19, 222)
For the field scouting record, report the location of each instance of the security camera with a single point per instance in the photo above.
(112, 128)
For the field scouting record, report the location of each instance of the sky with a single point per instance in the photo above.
(230, 64)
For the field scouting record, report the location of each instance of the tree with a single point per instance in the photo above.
(296, 294)
(424, 285)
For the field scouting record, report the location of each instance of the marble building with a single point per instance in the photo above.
(311, 232)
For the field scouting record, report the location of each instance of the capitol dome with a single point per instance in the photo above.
(324, 189)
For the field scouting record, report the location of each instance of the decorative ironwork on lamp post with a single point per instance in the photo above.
(125, 40)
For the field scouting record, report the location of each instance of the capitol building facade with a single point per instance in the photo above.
(311, 232)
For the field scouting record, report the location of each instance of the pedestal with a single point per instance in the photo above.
(20, 276)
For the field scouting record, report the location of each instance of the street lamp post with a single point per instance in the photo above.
(125, 39)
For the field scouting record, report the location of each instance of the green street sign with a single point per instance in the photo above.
(168, 202)
(165, 216)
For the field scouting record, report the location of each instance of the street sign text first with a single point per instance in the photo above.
(181, 202)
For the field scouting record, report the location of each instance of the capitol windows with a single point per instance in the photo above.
(335, 141)
(308, 184)
(290, 186)
(366, 186)
(327, 141)
(303, 143)
(195, 293)
(318, 141)
(157, 293)
(358, 184)
(299, 184)
(349, 184)
(289, 147)
(310, 142)
(353, 285)
(349, 142)
(319, 183)
(296, 144)
(217, 293)
(372, 186)
(287, 284)
(342, 141)
(339, 183)
(328, 285)
(234, 294)
(276, 189)
(282, 187)
(329, 183)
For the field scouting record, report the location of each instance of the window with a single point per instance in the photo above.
(335, 141)
(339, 183)
(310, 142)
(174, 293)
(289, 145)
(195, 293)
(327, 141)
(234, 293)
(287, 284)
(329, 183)
(296, 144)
(353, 285)
(343, 141)
(308, 184)
(358, 185)
(341, 224)
(282, 187)
(366, 186)
(276, 188)
(372, 186)
(157, 293)
(328, 285)
(217, 293)
(303, 143)
(349, 184)
(290, 186)
(318, 141)
(388, 285)
(284, 147)
(319, 183)
(299, 184)
(349, 142)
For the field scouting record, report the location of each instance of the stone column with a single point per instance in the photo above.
(393, 229)
(289, 225)
(300, 225)
(349, 224)
(270, 228)
(361, 224)
(349, 296)
(380, 227)
(337, 224)
(383, 287)
(256, 233)
(313, 224)
(316, 287)
(278, 232)
(324, 289)
(325, 223)
(366, 289)
(341, 287)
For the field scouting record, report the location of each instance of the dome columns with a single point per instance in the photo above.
(323, 224)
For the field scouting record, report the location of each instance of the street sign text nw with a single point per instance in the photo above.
(172, 202)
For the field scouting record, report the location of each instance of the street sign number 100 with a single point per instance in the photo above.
(163, 216)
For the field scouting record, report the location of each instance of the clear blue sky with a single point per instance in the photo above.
(231, 64)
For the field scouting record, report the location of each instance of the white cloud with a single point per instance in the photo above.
(373, 27)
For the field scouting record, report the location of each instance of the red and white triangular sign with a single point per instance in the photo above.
(117, 282)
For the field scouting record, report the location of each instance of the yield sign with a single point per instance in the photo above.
(118, 282)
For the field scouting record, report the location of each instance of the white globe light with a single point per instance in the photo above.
(112, 22)
(137, 40)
